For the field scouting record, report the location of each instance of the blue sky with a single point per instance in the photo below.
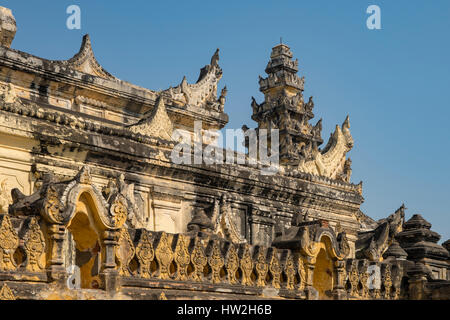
(394, 82)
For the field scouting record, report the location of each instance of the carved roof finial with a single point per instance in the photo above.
(84, 61)
(84, 176)
(346, 123)
(215, 58)
(156, 124)
(224, 91)
(7, 27)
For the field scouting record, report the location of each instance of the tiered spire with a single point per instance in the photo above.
(282, 70)
(420, 242)
(285, 109)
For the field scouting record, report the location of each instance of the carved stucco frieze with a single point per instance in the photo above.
(6, 293)
(387, 282)
(354, 278)
(145, 254)
(61, 199)
(52, 206)
(199, 260)
(261, 267)
(275, 270)
(290, 271)
(125, 252)
(216, 262)
(232, 264)
(118, 211)
(164, 256)
(246, 265)
(5, 196)
(34, 247)
(225, 222)
(302, 272)
(182, 258)
(9, 241)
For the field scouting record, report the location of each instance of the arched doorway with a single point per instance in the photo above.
(324, 273)
(84, 251)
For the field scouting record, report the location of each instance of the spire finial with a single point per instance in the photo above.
(281, 40)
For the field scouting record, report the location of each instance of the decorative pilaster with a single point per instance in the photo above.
(310, 291)
(109, 273)
(56, 271)
(417, 283)
(339, 292)
(261, 227)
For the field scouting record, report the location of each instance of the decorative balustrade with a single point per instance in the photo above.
(199, 260)
(207, 260)
(373, 280)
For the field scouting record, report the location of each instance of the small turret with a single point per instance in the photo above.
(420, 243)
(284, 107)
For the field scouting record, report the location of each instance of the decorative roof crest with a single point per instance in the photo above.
(156, 124)
(204, 91)
(330, 162)
(84, 61)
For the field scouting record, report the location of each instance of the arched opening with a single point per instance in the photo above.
(84, 250)
(324, 271)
